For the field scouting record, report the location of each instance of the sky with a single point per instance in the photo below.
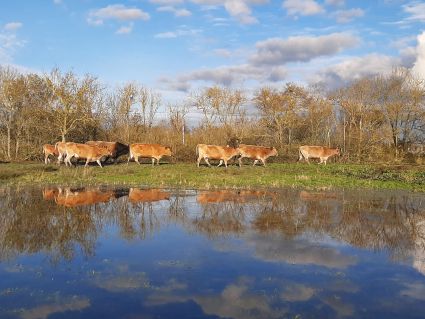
(177, 46)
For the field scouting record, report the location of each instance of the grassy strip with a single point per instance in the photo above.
(189, 176)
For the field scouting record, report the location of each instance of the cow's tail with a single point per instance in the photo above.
(197, 150)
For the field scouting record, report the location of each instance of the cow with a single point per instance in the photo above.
(88, 152)
(61, 149)
(321, 152)
(48, 150)
(256, 153)
(69, 198)
(222, 153)
(153, 151)
(138, 195)
(116, 148)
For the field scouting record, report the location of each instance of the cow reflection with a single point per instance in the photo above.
(316, 196)
(208, 197)
(49, 193)
(70, 197)
(138, 195)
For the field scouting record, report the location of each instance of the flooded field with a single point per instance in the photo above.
(151, 253)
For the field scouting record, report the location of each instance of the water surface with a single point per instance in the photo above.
(152, 253)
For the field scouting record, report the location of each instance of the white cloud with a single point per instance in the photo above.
(302, 7)
(419, 66)
(177, 12)
(354, 68)
(416, 10)
(125, 30)
(177, 33)
(116, 12)
(302, 48)
(238, 9)
(12, 26)
(9, 42)
(345, 16)
(338, 3)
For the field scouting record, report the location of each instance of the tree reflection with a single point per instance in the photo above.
(62, 221)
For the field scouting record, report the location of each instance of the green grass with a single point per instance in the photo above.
(189, 176)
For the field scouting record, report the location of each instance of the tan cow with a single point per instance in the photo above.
(48, 150)
(138, 195)
(61, 149)
(116, 148)
(321, 152)
(256, 153)
(243, 196)
(88, 152)
(153, 151)
(222, 153)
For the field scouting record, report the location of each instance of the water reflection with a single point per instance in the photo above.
(227, 253)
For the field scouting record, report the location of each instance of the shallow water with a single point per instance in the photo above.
(137, 253)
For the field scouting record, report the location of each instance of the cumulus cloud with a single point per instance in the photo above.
(419, 65)
(302, 7)
(345, 16)
(354, 68)
(116, 12)
(177, 12)
(268, 63)
(302, 48)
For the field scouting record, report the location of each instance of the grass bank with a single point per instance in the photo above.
(189, 176)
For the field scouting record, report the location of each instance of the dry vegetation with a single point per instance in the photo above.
(372, 118)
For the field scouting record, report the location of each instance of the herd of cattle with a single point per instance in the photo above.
(97, 151)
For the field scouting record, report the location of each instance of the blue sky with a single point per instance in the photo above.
(178, 45)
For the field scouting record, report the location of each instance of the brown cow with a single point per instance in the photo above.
(256, 153)
(154, 151)
(71, 198)
(138, 195)
(116, 148)
(321, 152)
(89, 152)
(222, 153)
(48, 150)
(61, 149)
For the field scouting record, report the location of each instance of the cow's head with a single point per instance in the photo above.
(338, 151)
(168, 151)
(273, 151)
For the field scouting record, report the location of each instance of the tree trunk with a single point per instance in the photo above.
(8, 141)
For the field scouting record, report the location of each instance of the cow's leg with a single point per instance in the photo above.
(206, 160)
(87, 163)
(45, 159)
(225, 163)
(263, 161)
(240, 161)
(220, 163)
(153, 161)
(157, 160)
(98, 162)
(255, 162)
(67, 160)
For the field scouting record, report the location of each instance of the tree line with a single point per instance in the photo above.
(380, 116)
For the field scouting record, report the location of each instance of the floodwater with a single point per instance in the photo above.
(151, 253)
